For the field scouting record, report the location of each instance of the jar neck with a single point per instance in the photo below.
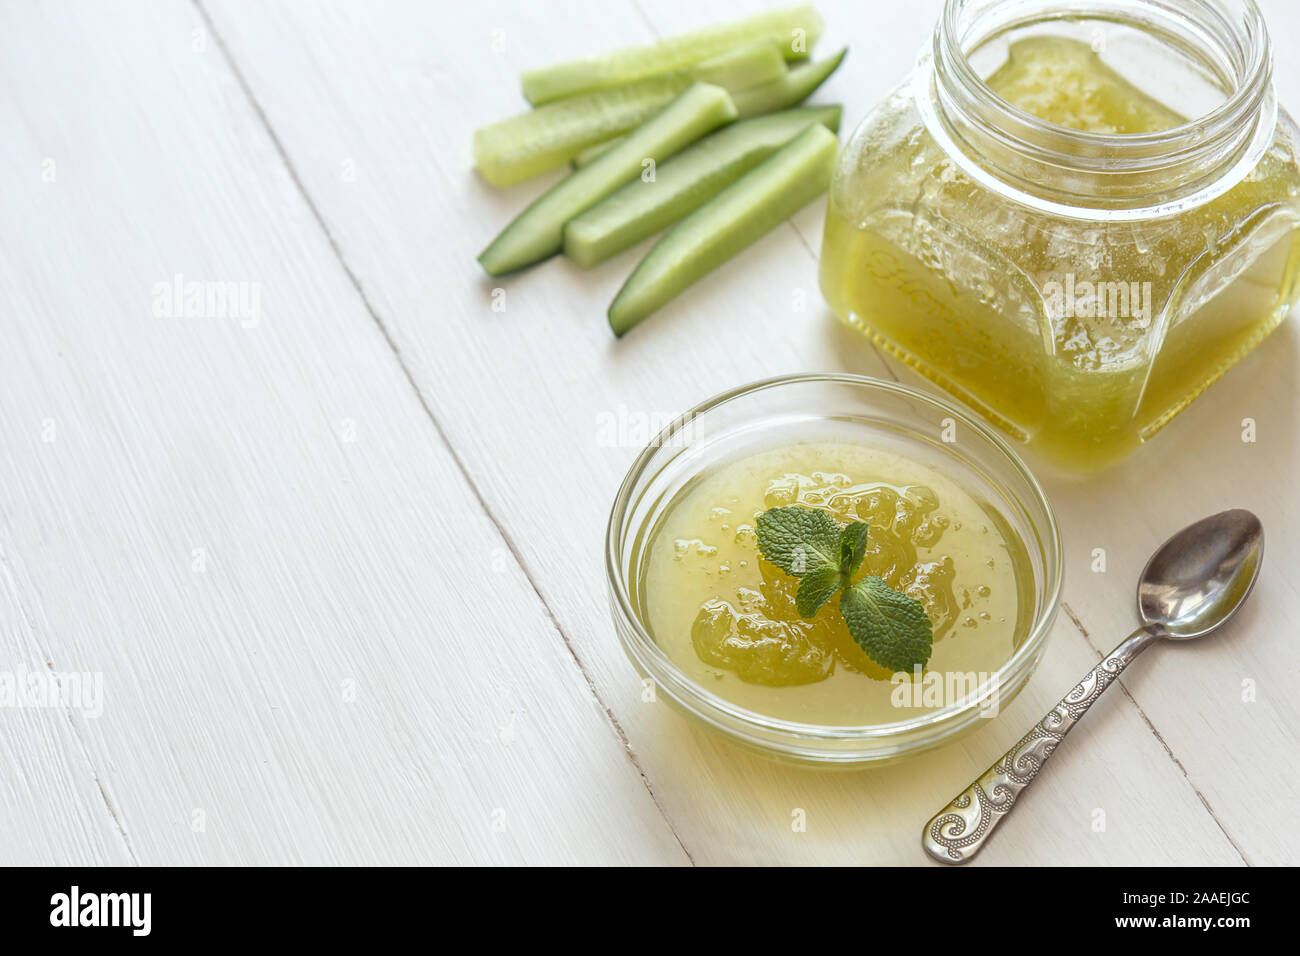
(1104, 175)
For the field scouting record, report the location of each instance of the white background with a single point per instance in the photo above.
(342, 571)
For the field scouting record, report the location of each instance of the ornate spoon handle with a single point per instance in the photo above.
(959, 831)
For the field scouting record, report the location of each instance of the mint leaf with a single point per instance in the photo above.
(816, 588)
(853, 548)
(890, 626)
(798, 540)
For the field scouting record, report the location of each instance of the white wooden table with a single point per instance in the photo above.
(340, 565)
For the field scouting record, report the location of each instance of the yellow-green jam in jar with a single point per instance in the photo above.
(1074, 221)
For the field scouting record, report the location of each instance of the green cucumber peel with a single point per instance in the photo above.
(790, 90)
(538, 232)
(735, 218)
(644, 206)
(793, 30)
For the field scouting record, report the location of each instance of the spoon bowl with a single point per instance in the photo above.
(1200, 577)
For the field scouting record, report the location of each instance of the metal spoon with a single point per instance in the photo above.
(1192, 584)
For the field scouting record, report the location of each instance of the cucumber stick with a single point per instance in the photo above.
(794, 29)
(790, 90)
(523, 146)
(742, 67)
(684, 183)
(538, 231)
(732, 220)
(591, 152)
(531, 143)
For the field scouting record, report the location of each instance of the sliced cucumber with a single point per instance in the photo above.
(793, 29)
(684, 183)
(733, 219)
(791, 90)
(591, 152)
(743, 67)
(781, 94)
(531, 143)
(538, 231)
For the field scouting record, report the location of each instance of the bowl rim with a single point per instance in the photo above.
(1010, 673)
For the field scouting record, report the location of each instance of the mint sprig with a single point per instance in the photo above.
(891, 627)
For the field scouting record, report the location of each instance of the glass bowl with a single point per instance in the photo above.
(873, 412)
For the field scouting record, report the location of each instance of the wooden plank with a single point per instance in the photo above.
(51, 805)
(1227, 706)
(316, 646)
(397, 90)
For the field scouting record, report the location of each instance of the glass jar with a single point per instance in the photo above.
(1029, 220)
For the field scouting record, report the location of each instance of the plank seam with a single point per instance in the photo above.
(118, 824)
(615, 725)
(1074, 619)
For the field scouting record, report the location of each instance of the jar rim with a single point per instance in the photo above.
(1192, 162)
(796, 738)
(1253, 74)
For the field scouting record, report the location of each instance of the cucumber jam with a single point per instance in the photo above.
(728, 618)
(1082, 268)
